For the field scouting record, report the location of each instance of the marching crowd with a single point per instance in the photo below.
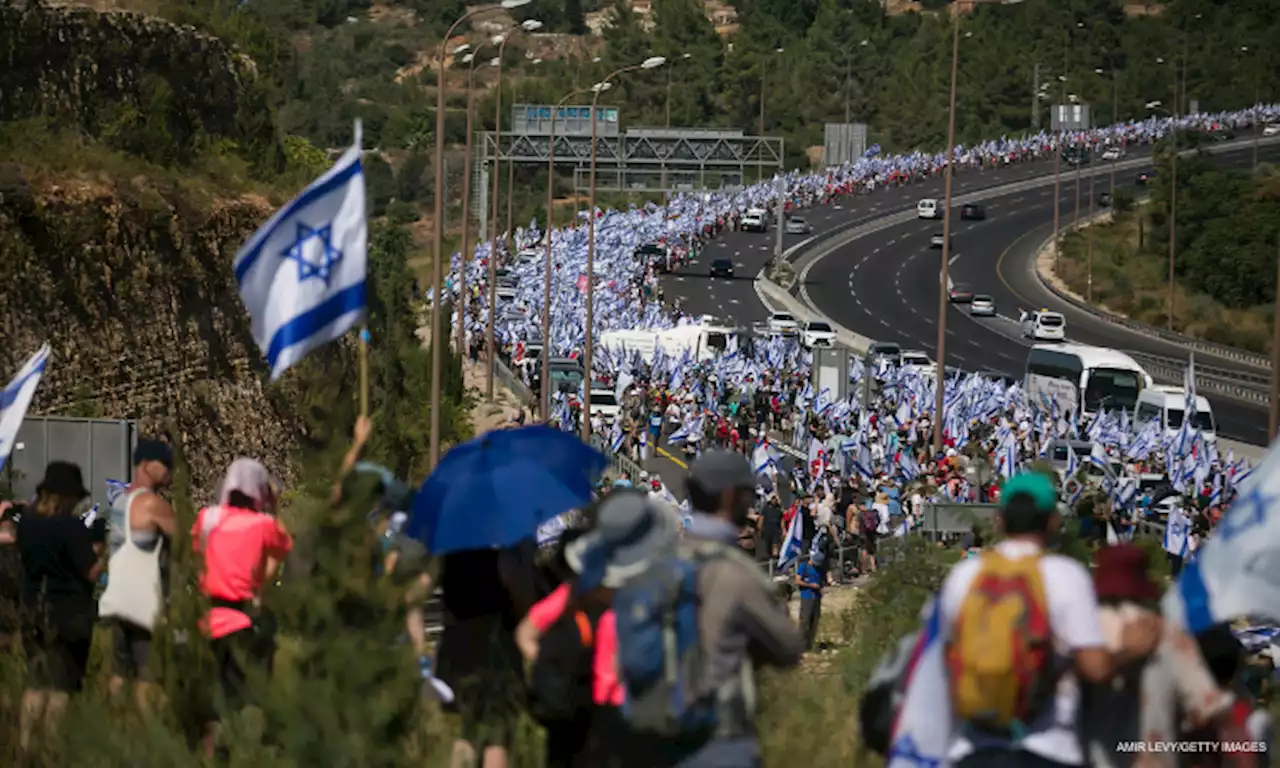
(636, 634)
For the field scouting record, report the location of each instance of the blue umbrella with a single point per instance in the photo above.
(497, 489)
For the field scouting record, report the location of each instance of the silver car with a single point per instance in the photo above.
(798, 226)
(982, 306)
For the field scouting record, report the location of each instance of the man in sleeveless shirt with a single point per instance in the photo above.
(147, 516)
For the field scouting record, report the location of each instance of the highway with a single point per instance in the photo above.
(886, 287)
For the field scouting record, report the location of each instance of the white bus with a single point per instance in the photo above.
(1083, 378)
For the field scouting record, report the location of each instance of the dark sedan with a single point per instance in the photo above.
(972, 212)
(722, 267)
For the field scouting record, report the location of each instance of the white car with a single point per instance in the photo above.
(818, 334)
(530, 255)
(604, 401)
(982, 306)
(1271, 130)
(1112, 153)
(936, 240)
(783, 324)
(1043, 325)
(928, 208)
(505, 292)
(919, 361)
(798, 226)
(754, 220)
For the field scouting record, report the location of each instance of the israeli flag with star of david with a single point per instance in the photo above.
(302, 275)
(16, 398)
(1236, 571)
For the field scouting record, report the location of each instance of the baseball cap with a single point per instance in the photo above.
(1034, 484)
(718, 471)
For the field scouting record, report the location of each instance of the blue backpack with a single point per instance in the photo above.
(660, 657)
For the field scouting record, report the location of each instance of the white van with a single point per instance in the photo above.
(1168, 405)
(604, 401)
(928, 208)
(1043, 325)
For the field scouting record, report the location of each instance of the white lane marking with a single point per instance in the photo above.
(952, 260)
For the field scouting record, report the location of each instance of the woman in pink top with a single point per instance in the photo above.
(629, 530)
(242, 544)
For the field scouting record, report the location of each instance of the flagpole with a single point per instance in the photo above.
(364, 372)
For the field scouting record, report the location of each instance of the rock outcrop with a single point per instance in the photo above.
(133, 290)
(123, 75)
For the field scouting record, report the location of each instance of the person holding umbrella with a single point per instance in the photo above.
(479, 511)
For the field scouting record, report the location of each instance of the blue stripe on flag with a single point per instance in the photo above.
(10, 393)
(1195, 598)
(311, 322)
(340, 179)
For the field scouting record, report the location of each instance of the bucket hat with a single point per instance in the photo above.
(630, 532)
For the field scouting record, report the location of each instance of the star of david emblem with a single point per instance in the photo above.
(905, 749)
(1249, 511)
(313, 250)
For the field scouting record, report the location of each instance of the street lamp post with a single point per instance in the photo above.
(437, 238)
(1057, 176)
(544, 401)
(764, 64)
(597, 89)
(666, 193)
(1257, 95)
(491, 349)
(470, 59)
(946, 225)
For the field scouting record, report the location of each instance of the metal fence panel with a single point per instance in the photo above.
(100, 447)
(956, 518)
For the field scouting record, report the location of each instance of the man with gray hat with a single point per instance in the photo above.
(741, 621)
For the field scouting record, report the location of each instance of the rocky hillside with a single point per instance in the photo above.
(127, 274)
(133, 290)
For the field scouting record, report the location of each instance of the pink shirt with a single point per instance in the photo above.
(236, 544)
(606, 688)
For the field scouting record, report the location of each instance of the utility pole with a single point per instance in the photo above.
(848, 84)
(1275, 354)
(1035, 99)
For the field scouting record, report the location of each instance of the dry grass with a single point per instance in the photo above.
(1135, 284)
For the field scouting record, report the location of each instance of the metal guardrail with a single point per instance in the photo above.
(619, 463)
(1238, 385)
(1222, 351)
(514, 383)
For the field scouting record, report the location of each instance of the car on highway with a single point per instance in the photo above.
(783, 324)
(972, 212)
(721, 266)
(1144, 178)
(935, 241)
(818, 334)
(928, 208)
(754, 220)
(884, 350)
(1112, 153)
(1044, 325)
(530, 255)
(1271, 130)
(604, 401)
(982, 306)
(918, 360)
(797, 225)
(960, 293)
(1075, 157)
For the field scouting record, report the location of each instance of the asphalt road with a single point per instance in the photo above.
(886, 287)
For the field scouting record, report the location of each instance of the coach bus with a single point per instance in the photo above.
(1083, 378)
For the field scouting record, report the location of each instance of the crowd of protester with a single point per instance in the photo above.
(635, 637)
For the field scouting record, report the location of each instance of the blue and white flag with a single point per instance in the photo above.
(922, 732)
(16, 398)
(1235, 571)
(792, 543)
(302, 276)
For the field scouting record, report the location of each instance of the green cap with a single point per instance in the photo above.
(1036, 485)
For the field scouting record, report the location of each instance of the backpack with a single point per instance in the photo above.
(560, 677)
(998, 657)
(883, 696)
(660, 657)
(870, 521)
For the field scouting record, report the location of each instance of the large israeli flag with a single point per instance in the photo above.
(302, 275)
(16, 398)
(1236, 572)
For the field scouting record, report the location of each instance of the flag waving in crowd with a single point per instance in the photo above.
(16, 398)
(302, 276)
